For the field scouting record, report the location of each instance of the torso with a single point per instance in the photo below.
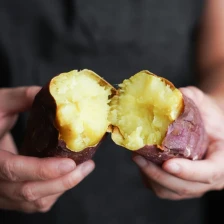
(116, 39)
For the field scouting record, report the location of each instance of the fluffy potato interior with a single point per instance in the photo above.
(82, 108)
(143, 109)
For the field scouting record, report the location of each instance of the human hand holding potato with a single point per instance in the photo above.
(180, 178)
(151, 117)
(26, 182)
(146, 115)
(74, 111)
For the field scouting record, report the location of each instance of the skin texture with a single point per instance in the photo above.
(41, 139)
(180, 178)
(26, 182)
(185, 138)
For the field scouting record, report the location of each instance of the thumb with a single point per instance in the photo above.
(211, 113)
(15, 100)
(194, 94)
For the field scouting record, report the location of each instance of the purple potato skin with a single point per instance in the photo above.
(185, 138)
(41, 137)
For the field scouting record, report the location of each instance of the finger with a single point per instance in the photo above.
(23, 168)
(208, 171)
(7, 143)
(194, 94)
(15, 100)
(7, 204)
(158, 189)
(20, 192)
(32, 191)
(165, 193)
(45, 204)
(40, 205)
(175, 184)
(7, 124)
(209, 110)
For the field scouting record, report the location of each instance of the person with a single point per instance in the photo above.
(40, 39)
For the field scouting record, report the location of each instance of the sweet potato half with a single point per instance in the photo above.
(71, 115)
(153, 118)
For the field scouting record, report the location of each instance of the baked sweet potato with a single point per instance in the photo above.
(154, 119)
(69, 117)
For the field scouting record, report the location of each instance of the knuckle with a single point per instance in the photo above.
(177, 197)
(27, 193)
(157, 176)
(70, 182)
(42, 205)
(215, 177)
(218, 187)
(184, 192)
(43, 172)
(8, 170)
(160, 193)
(44, 210)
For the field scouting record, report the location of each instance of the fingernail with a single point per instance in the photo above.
(140, 161)
(66, 167)
(86, 168)
(173, 168)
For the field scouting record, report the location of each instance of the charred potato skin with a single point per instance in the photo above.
(185, 138)
(41, 137)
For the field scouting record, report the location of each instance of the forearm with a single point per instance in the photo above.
(211, 51)
(212, 83)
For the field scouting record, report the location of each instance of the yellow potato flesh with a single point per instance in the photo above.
(82, 108)
(143, 110)
(140, 113)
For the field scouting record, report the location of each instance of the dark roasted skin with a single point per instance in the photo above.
(41, 138)
(65, 119)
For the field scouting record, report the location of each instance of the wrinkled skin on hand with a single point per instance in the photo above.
(26, 182)
(181, 178)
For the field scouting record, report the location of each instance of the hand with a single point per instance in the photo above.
(182, 178)
(30, 184)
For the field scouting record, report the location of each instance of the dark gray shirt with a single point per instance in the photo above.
(116, 39)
